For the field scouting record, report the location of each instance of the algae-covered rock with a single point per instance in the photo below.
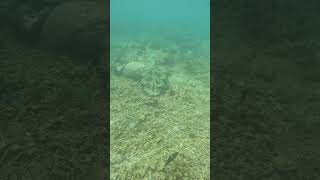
(133, 70)
(154, 81)
(76, 27)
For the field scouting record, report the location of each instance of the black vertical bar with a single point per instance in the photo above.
(108, 88)
(213, 112)
(264, 115)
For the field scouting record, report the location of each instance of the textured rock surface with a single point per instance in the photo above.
(154, 81)
(76, 27)
(133, 70)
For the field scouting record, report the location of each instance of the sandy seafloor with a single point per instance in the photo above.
(146, 130)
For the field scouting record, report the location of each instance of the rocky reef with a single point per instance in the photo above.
(153, 78)
(154, 81)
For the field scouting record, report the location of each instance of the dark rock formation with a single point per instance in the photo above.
(78, 28)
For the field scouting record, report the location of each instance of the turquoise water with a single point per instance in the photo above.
(160, 89)
(160, 16)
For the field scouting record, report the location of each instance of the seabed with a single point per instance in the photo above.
(147, 130)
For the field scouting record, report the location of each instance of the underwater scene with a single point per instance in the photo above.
(53, 90)
(160, 89)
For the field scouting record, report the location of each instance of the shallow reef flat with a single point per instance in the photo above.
(162, 137)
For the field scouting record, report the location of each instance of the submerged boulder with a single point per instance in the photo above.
(132, 70)
(153, 78)
(78, 28)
